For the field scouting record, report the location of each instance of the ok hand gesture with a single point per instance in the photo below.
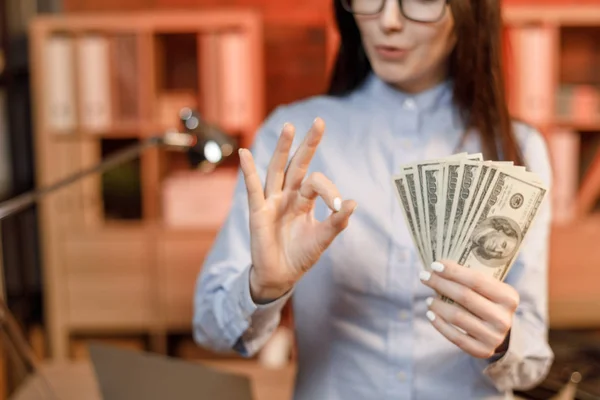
(286, 239)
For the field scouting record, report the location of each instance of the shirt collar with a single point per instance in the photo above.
(382, 92)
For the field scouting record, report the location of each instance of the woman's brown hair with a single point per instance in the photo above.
(475, 67)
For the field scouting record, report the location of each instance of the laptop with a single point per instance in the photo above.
(130, 375)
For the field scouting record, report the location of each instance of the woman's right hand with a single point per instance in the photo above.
(286, 239)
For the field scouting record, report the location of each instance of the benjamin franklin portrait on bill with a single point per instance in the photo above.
(495, 241)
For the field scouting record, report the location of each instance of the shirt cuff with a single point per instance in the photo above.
(247, 314)
(500, 367)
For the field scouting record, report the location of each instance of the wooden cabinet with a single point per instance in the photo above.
(574, 281)
(112, 262)
(108, 280)
(555, 86)
(180, 259)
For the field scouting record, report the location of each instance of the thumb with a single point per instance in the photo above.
(336, 223)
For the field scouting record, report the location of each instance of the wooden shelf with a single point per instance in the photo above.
(574, 294)
(170, 21)
(582, 126)
(564, 15)
(553, 58)
(133, 274)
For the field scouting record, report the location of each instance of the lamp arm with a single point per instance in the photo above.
(22, 201)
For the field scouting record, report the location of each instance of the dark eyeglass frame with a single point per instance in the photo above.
(347, 5)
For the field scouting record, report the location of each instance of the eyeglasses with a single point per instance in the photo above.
(415, 10)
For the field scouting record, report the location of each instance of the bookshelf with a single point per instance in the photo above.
(121, 251)
(554, 84)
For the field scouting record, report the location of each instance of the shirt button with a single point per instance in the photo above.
(406, 144)
(404, 315)
(409, 104)
(402, 257)
(401, 376)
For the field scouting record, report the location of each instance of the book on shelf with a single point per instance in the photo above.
(564, 145)
(93, 66)
(531, 88)
(235, 113)
(125, 79)
(93, 82)
(578, 103)
(210, 77)
(225, 79)
(59, 93)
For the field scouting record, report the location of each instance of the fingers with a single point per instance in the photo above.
(256, 197)
(276, 169)
(475, 323)
(465, 342)
(318, 184)
(335, 223)
(488, 287)
(478, 305)
(300, 161)
(466, 321)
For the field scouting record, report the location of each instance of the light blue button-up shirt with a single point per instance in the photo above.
(360, 311)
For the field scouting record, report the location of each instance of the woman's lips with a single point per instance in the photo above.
(391, 53)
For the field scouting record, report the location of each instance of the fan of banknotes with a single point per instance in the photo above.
(474, 212)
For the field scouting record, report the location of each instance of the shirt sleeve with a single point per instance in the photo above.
(225, 316)
(528, 357)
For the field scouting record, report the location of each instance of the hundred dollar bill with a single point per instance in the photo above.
(509, 210)
(408, 212)
(421, 201)
(452, 173)
(480, 194)
(469, 176)
(476, 201)
(452, 179)
(411, 182)
(433, 198)
(443, 212)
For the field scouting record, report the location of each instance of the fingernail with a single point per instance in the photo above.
(425, 275)
(430, 315)
(337, 204)
(437, 266)
(429, 301)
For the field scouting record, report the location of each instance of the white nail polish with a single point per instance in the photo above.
(337, 204)
(425, 275)
(430, 315)
(437, 266)
(429, 301)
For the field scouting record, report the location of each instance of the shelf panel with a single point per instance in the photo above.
(181, 257)
(567, 15)
(119, 130)
(108, 280)
(582, 126)
(574, 298)
(147, 21)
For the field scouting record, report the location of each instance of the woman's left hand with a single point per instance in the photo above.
(487, 313)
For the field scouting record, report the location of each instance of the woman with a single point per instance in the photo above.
(414, 80)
